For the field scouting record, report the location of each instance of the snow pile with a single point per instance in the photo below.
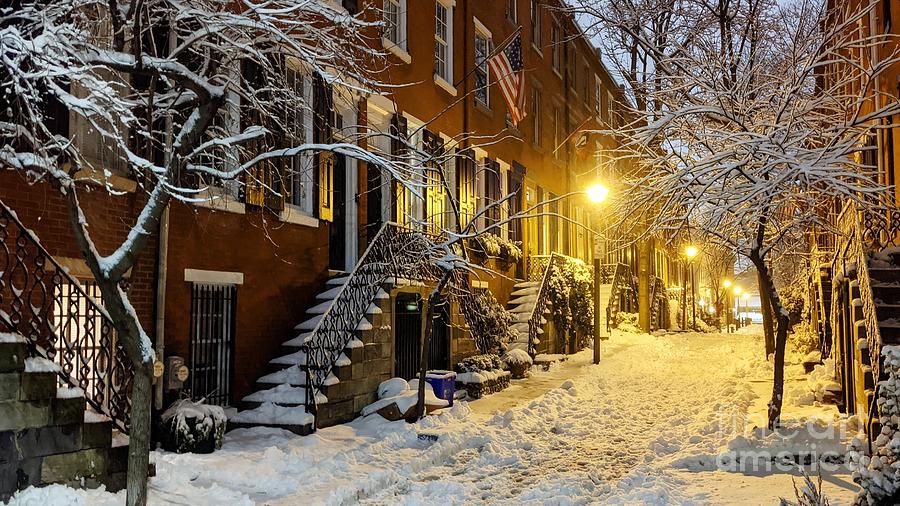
(69, 393)
(627, 322)
(481, 376)
(404, 395)
(6, 337)
(518, 357)
(40, 364)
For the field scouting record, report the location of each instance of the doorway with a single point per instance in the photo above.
(337, 231)
(407, 334)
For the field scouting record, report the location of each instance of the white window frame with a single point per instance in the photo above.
(504, 192)
(444, 80)
(399, 46)
(299, 206)
(512, 10)
(556, 51)
(482, 32)
(379, 111)
(415, 137)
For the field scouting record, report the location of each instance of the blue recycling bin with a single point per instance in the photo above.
(443, 383)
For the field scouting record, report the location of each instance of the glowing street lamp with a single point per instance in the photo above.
(597, 193)
(690, 252)
(726, 283)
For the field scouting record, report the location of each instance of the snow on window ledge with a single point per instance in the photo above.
(217, 200)
(398, 51)
(294, 215)
(449, 88)
(106, 179)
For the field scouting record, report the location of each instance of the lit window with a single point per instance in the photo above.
(443, 31)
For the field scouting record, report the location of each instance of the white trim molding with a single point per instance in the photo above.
(213, 277)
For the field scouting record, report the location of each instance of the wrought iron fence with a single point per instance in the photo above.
(61, 321)
(549, 263)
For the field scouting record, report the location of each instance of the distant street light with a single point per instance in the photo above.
(726, 283)
(597, 193)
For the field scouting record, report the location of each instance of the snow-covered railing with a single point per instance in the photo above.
(61, 321)
(540, 304)
(394, 252)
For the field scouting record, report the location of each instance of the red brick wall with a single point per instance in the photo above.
(284, 266)
(110, 217)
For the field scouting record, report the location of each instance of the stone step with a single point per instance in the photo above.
(337, 280)
(883, 274)
(13, 351)
(888, 311)
(890, 332)
(527, 284)
(885, 293)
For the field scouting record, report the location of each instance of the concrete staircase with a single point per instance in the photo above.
(521, 305)
(46, 435)
(366, 360)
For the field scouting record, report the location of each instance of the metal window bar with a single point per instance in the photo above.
(213, 319)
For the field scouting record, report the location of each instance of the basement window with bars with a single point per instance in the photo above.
(212, 342)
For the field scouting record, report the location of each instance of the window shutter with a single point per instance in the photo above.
(399, 128)
(322, 108)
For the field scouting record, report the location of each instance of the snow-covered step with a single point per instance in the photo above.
(531, 298)
(284, 394)
(523, 308)
(527, 284)
(293, 418)
(524, 291)
(330, 294)
(337, 281)
(322, 307)
(309, 324)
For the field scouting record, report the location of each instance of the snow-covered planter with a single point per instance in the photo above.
(481, 375)
(479, 384)
(518, 362)
(397, 400)
(193, 427)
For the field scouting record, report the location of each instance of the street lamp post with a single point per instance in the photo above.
(737, 305)
(597, 194)
(690, 252)
(726, 284)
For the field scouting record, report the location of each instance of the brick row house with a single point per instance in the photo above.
(241, 272)
(852, 302)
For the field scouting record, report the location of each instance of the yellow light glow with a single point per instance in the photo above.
(691, 252)
(702, 302)
(746, 296)
(738, 290)
(726, 283)
(597, 193)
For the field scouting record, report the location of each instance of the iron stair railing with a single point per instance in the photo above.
(395, 252)
(61, 322)
(548, 262)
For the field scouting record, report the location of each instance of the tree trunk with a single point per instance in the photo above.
(644, 301)
(768, 325)
(139, 435)
(433, 299)
(767, 286)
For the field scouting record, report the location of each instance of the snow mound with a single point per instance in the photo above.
(517, 356)
(405, 399)
(40, 364)
(392, 387)
(273, 414)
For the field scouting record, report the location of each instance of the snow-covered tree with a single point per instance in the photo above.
(183, 96)
(749, 122)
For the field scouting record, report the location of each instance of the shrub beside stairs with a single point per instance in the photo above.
(46, 434)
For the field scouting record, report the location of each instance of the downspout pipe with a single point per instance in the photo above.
(162, 253)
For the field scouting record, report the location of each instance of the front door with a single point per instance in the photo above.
(337, 231)
(407, 334)
(439, 347)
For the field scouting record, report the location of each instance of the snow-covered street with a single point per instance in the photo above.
(645, 426)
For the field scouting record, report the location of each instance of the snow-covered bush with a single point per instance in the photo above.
(489, 323)
(494, 246)
(480, 363)
(879, 475)
(804, 337)
(570, 291)
(193, 427)
(627, 322)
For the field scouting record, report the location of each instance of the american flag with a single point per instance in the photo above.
(507, 67)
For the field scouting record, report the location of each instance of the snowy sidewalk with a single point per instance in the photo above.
(642, 427)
